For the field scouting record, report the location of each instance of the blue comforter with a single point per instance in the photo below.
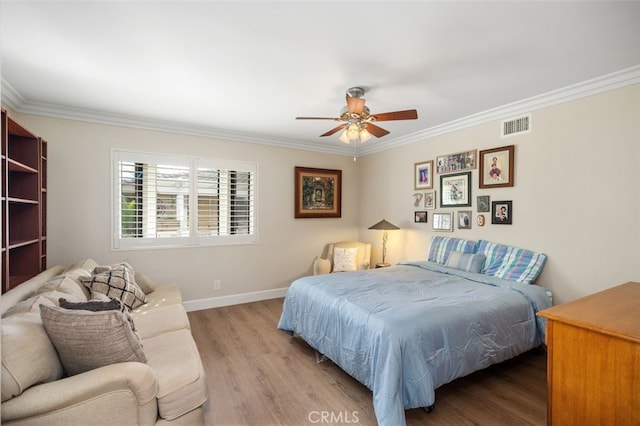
(404, 331)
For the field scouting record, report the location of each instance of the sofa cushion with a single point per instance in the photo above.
(27, 289)
(145, 283)
(175, 360)
(32, 304)
(117, 282)
(65, 284)
(162, 319)
(85, 265)
(86, 340)
(28, 356)
(163, 295)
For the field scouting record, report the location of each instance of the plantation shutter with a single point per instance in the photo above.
(168, 201)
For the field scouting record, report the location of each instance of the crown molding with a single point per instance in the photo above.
(605, 83)
(626, 77)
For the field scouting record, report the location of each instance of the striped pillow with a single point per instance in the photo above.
(465, 261)
(511, 263)
(441, 247)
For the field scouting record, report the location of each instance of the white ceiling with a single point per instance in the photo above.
(244, 70)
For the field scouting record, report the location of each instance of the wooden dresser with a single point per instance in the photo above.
(593, 373)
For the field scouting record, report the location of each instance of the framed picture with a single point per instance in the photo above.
(318, 193)
(496, 167)
(442, 222)
(482, 201)
(456, 162)
(420, 217)
(455, 190)
(480, 220)
(501, 212)
(464, 219)
(430, 199)
(423, 175)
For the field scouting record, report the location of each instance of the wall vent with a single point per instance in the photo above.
(516, 126)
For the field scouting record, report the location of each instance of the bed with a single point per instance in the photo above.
(405, 330)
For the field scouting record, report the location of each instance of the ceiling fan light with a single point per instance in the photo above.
(344, 137)
(364, 135)
(353, 131)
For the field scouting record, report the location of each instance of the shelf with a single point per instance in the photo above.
(16, 129)
(17, 166)
(22, 201)
(18, 244)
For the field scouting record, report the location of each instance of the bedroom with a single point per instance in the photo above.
(575, 194)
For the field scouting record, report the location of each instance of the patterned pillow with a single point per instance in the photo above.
(117, 282)
(344, 259)
(465, 261)
(145, 283)
(441, 247)
(511, 263)
(86, 340)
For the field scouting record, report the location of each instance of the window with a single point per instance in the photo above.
(172, 201)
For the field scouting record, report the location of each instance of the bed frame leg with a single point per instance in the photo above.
(430, 408)
(320, 357)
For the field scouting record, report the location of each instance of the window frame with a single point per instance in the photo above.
(193, 239)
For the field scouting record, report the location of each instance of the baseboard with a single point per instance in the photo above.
(234, 299)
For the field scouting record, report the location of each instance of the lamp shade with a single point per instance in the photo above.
(384, 226)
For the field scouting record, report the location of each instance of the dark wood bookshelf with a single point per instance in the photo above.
(24, 203)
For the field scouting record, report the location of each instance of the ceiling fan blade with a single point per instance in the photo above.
(318, 118)
(376, 131)
(334, 130)
(355, 105)
(409, 114)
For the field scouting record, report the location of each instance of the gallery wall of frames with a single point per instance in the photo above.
(445, 191)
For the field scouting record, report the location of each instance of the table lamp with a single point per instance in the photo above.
(385, 226)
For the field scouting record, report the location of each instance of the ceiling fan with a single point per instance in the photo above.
(358, 121)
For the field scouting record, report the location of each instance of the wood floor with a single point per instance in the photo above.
(258, 375)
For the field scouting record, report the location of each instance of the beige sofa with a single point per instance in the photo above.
(169, 388)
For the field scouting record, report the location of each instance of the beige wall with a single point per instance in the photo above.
(575, 198)
(576, 194)
(79, 210)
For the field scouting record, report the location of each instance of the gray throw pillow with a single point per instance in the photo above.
(87, 340)
(91, 305)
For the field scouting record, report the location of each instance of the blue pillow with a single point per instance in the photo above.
(441, 247)
(511, 263)
(465, 261)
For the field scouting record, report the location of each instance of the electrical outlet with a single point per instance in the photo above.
(216, 284)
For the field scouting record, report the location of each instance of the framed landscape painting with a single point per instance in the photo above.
(318, 193)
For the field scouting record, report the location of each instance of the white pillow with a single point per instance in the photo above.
(344, 259)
